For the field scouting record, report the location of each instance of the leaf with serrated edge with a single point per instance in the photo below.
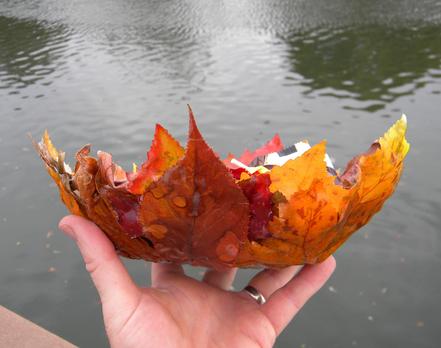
(188, 208)
(164, 153)
(194, 205)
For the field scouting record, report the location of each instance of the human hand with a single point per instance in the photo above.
(179, 311)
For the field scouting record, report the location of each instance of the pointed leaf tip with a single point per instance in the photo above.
(158, 128)
(164, 153)
(395, 138)
(273, 145)
(193, 131)
(52, 150)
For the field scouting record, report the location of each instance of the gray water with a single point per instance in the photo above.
(106, 71)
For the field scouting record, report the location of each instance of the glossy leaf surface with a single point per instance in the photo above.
(188, 206)
(195, 206)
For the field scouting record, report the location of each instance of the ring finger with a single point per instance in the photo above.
(270, 280)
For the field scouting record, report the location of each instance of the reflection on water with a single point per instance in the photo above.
(105, 71)
(29, 51)
(375, 63)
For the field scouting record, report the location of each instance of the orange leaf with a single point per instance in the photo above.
(55, 165)
(379, 170)
(324, 210)
(299, 173)
(164, 154)
(315, 203)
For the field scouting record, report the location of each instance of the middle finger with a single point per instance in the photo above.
(221, 279)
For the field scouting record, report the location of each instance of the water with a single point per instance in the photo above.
(106, 71)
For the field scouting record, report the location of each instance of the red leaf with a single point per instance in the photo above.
(193, 206)
(256, 189)
(126, 207)
(273, 145)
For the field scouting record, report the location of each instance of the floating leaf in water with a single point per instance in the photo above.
(188, 206)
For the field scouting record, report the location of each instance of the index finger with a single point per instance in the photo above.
(162, 271)
(113, 282)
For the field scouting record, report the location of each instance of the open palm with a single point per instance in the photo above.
(179, 311)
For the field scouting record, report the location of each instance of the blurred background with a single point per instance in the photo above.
(105, 72)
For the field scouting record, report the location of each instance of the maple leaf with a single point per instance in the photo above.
(188, 206)
(379, 171)
(321, 210)
(193, 206)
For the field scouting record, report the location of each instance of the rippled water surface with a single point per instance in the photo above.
(106, 71)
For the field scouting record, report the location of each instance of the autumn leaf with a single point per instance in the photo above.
(273, 145)
(298, 174)
(80, 193)
(194, 206)
(188, 206)
(379, 171)
(256, 190)
(323, 210)
(164, 153)
(56, 168)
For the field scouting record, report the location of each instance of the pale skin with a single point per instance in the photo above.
(179, 311)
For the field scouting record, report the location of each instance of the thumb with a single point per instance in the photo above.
(115, 286)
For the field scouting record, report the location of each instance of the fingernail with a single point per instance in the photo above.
(67, 229)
